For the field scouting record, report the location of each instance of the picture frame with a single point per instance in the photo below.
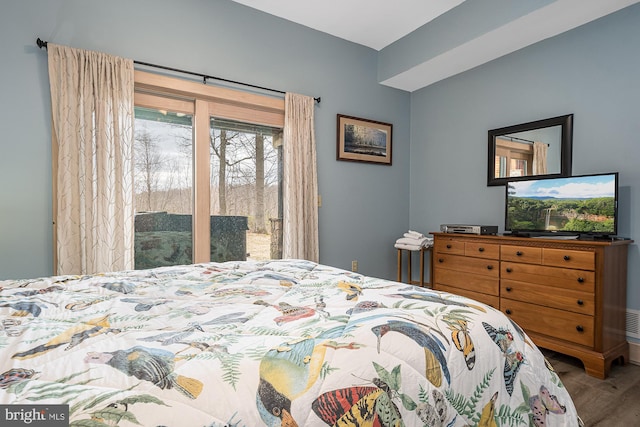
(364, 140)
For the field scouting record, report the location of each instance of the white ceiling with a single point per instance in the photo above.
(372, 23)
(379, 23)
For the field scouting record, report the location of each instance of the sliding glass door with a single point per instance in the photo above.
(207, 178)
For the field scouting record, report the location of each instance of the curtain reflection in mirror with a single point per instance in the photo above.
(540, 158)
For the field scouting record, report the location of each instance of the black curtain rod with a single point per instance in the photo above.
(516, 139)
(43, 44)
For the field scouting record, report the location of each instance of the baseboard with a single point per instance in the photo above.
(634, 353)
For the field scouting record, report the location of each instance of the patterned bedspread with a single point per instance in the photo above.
(278, 343)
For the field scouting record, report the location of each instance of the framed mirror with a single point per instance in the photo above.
(536, 149)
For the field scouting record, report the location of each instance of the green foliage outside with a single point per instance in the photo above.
(585, 216)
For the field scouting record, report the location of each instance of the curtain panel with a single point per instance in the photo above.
(540, 158)
(300, 181)
(92, 117)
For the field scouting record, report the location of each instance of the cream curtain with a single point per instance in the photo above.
(300, 192)
(540, 158)
(92, 109)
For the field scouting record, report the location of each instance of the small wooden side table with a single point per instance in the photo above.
(422, 252)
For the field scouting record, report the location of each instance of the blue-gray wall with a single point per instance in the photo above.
(440, 177)
(365, 207)
(592, 71)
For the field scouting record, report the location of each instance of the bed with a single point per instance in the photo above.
(275, 343)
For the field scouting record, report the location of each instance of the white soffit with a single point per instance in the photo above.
(543, 23)
(372, 23)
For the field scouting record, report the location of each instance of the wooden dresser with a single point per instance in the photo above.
(568, 295)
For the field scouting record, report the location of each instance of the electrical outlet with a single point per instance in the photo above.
(354, 265)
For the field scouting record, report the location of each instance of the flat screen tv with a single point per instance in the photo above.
(585, 205)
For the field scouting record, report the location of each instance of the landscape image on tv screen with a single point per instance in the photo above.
(585, 204)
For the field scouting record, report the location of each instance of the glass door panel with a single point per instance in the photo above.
(163, 183)
(246, 176)
(518, 167)
(500, 164)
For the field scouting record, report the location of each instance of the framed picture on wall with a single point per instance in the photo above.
(362, 140)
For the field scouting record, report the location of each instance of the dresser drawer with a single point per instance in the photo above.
(573, 327)
(468, 281)
(449, 246)
(491, 300)
(521, 254)
(482, 250)
(562, 278)
(563, 299)
(480, 266)
(584, 260)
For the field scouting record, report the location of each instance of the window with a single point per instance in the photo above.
(207, 173)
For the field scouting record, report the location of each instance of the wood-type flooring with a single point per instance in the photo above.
(612, 402)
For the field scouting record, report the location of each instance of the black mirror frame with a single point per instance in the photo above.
(566, 147)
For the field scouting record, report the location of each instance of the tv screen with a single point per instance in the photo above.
(576, 205)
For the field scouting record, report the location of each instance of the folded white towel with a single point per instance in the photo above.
(412, 241)
(407, 246)
(425, 242)
(414, 234)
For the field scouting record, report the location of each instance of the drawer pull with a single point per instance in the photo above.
(440, 260)
(448, 246)
(580, 302)
(507, 311)
(489, 267)
(519, 253)
(566, 257)
(508, 270)
(580, 279)
(579, 328)
(480, 249)
(508, 288)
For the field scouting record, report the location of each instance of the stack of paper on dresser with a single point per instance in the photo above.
(413, 241)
